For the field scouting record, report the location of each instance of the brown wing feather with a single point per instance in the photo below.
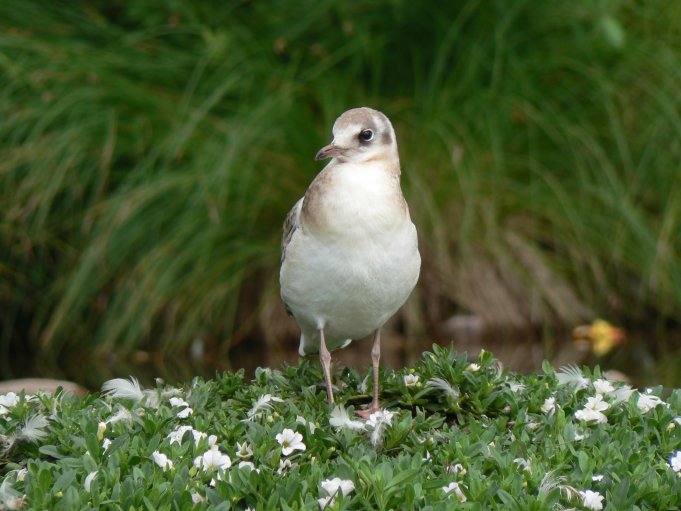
(290, 225)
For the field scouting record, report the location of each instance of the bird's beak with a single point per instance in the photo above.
(328, 151)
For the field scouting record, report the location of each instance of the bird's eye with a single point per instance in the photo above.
(366, 135)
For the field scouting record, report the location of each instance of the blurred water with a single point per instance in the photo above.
(644, 360)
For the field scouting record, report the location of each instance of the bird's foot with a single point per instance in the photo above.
(365, 414)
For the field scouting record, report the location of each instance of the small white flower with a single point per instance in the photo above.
(579, 436)
(178, 402)
(21, 474)
(105, 444)
(647, 402)
(176, 435)
(290, 441)
(411, 380)
(596, 404)
(592, 500)
(675, 462)
(473, 368)
(101, 429)
(341, 419)
(285, 466)
(309, 425)
(525, 464)
(88, 480)
(603, 387)
(379, 421)
(249, 465)
(325, 501)
(380, 417)
(8, 401)
(455, 488)
(184, 413)
(213, 459)
(597, 478)
(456, 469)
(592, 411)
(162, 460)
(549, 405)
(244, 450)
(332, 486)
(197, 498)
(588, 415)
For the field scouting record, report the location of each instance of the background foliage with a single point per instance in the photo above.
(149, 152)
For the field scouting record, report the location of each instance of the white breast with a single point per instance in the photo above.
(351, 272)
(364, 202)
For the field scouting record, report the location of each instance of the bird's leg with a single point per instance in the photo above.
(325, 360)
(375, 359)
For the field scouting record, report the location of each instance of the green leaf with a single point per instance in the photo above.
(50, 450)
(583, 462)
(401, 478)
(64, 481)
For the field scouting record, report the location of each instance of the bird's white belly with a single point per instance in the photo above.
(349, 290)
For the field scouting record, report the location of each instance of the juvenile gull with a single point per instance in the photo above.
(350, 254)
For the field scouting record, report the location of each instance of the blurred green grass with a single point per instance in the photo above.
(149, 153)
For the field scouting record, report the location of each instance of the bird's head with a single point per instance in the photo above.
(361, 135)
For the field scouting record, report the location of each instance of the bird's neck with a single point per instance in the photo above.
(364, 199)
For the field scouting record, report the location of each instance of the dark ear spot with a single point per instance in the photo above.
(386, 138)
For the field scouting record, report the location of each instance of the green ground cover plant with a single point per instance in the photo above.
(149, 154)
(453, 434)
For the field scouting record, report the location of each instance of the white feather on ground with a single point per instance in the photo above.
(34, 428)
(444, 386)
(572, 375)
(120, 388)
(9, 497)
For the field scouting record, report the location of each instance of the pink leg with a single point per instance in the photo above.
(325, 359)
(375, 359)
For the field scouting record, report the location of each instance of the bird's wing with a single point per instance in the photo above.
(290, 225)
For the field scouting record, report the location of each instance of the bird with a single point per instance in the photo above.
(350, 256)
